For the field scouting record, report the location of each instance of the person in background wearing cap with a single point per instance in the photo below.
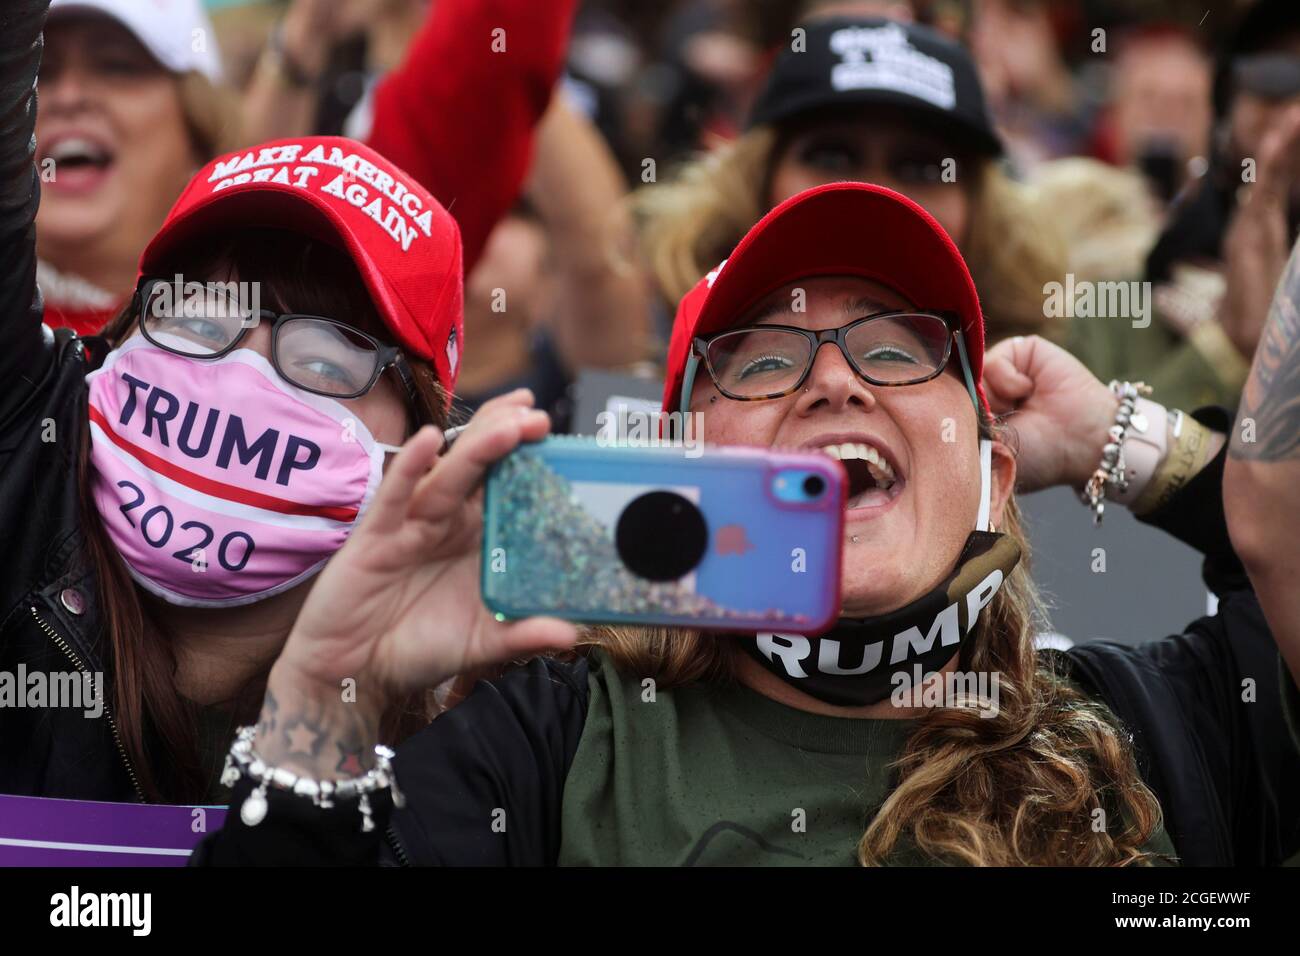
(132, 102)
(871, 100)
(165, 507)
(782, 749)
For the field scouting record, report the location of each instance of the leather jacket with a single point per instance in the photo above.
(50, 618)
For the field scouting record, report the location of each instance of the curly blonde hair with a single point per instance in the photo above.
(1022, 787)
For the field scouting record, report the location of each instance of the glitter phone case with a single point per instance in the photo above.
(732, 539)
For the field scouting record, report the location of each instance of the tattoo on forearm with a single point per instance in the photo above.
(304, 740)
(1268, 421)
(351, 762)
(322, 739)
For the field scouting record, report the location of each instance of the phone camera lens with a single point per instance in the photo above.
(814, 485)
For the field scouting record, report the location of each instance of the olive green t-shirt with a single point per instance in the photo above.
(715, 774)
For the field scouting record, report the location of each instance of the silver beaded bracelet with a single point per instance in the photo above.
(1111, 469)
(244, 761)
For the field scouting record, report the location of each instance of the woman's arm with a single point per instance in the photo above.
(1060, 413)
(395, 610)
(1261, 482)
(22, 356)
(282, 94)
(459, 113)
(483, 786)
(602, 317)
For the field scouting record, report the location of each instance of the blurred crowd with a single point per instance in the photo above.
(1121, 176)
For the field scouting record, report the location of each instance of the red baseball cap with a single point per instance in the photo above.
(854, 229)
(405, 245)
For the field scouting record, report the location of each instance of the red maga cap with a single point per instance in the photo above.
(853, 229)
(404, 244)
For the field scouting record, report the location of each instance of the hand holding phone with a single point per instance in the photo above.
(395, 608)
(735, 539)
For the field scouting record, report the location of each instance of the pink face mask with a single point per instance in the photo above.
(220, 483)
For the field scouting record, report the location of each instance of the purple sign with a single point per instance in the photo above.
(41, 831)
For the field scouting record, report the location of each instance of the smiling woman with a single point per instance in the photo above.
(674, 747)
(890, 346)
(773, 352)
(130, 108)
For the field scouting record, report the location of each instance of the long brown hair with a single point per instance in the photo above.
(1022, 787)
(156, 724)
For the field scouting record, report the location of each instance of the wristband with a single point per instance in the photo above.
(1146, 444)
(1186, 457)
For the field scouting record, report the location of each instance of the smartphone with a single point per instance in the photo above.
(731, 539)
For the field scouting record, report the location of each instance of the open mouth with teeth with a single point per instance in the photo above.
(80, 162)
(872, 481)
(75, 152)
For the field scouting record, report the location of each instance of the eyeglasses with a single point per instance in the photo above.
(771, 361)
(314, 353)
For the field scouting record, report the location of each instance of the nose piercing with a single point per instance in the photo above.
(855, 539)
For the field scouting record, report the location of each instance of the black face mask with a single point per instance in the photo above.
(860, 661)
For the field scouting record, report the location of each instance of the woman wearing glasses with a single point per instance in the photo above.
(845, 321)
(169, 491)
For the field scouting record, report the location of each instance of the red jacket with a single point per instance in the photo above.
(459, 117)
(80, 319)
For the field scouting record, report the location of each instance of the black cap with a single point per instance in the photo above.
(851, 61)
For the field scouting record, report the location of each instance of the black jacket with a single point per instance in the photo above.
(49, 615)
